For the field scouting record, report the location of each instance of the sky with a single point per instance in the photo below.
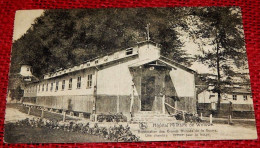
(23, 21)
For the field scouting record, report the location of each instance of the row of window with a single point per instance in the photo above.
(63, 82)
(244, 97)
(127, 52)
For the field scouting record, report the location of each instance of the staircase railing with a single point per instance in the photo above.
(182, 111)
(175, 108)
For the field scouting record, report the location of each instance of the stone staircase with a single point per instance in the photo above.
(153, 117)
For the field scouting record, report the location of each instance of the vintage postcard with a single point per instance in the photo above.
(129, 75)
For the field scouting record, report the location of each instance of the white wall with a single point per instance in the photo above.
(148, 51)
(240, 99)
(115, 80)
(184, 82)
(24, 70)
(203, 97)
(74, 91)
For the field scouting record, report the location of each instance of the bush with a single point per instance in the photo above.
(188, 117)
(119, 117)
(115, 133)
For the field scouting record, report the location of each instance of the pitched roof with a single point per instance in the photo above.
(164, 60)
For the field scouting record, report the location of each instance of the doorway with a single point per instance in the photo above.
(147, 93)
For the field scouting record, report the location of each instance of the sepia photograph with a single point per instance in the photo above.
(129, 75)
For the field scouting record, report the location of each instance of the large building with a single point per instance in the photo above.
(130, 81)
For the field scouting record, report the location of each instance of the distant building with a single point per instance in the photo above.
(234, 100)
(134, 80)
(26, 70)
(17, 82)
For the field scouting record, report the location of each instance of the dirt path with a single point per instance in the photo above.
(13, 115)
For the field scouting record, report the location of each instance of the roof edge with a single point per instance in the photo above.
(163, 58)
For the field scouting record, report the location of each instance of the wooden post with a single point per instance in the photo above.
(81, 115)
(201, 116)
(95, 92)
(183, 116)
(117, 104)
(210, 119)
(64, 116)
(175, 105)
(29, 111)
(132, 100)
(42, 116)
(229, 119)
(118, 88)
(71, 113)
(163, 99)
(95, 119)
(163, 104)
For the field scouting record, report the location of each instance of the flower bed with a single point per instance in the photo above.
(188, 117)
(117, 133)
(119, 117)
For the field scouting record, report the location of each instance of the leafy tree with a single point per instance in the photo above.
(63, 38)
(16, 94)
(220, 28)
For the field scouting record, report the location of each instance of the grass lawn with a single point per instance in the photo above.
(45, 135)
(18, 134)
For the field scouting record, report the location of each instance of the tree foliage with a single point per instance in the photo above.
(221, 29)
(63, 38)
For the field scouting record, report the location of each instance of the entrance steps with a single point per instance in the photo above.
(153, 117)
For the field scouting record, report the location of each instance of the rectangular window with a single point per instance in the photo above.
(51, 87)
(47, 86)
(234, 97)
(79, 82)
(63, 85)
(42, 87)
(89, 83)
(129, 51)
(245, 97)
(70, 83)
(39, 88)
(57, 86)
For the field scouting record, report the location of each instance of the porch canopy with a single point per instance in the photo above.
(151, 63)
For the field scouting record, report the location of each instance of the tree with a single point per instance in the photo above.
(63, 38)
(220, 28)
(16, 94)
